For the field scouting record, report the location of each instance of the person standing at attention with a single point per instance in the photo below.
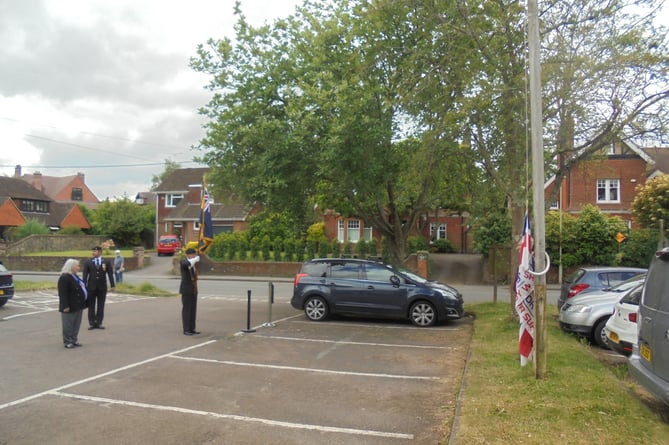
(71, 302)
(96, 272)
(119, 267)
(188, 291)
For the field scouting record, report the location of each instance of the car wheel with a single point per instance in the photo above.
(3, 301)
(599, 334)
(316, 309)
(423, 314)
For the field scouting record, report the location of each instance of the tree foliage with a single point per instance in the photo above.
(651, 204)
(123, 221)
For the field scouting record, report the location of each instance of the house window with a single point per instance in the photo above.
(28, 205)
(340, 231)
(77, 194)
(353, 230)
(555, 205)
(171, 200)
(437, 231)
(608, 190)
(367, 234)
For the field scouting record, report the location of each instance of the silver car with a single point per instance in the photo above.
(587, 314)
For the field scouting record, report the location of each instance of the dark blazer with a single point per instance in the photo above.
(95, 278)
(70, 293)
(188, 278)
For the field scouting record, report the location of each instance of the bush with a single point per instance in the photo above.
(416, 243)
(442, 246)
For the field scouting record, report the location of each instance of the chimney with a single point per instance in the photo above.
(17, 171)
(37, 181)
(82, 176)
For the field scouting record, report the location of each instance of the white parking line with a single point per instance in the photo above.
(303, 426)
(356, 343)
(314, 370)
(104, 374)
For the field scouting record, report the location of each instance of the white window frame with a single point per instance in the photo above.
(171, 197)
(353, 230)
(438, 231)
(608, 187)
(340, 231)
(368, 234)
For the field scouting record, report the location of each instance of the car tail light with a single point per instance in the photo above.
(576, 289)
(298, 277)
(632, 317)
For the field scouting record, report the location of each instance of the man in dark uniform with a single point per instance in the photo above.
(95, 274)
(188, 291)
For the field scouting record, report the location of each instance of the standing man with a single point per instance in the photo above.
(119, 267)
(188, 291)
(96, 272)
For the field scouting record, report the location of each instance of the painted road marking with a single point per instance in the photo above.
(355, 343)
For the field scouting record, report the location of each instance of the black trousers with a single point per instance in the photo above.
(96, 306)
(188, 311)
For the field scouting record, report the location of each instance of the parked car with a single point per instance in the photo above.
(591, 279)
(372, 289)
(168, 244)
(6, 285)
(649, 362)
(587, 314)
(621, 329)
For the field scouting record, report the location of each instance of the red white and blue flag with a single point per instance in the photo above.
(525, 295)
(206, 234)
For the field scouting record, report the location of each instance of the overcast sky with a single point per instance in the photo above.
(103, 87)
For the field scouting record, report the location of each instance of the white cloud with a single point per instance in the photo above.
(88, 85)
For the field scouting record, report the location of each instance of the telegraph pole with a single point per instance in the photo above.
(536, 136)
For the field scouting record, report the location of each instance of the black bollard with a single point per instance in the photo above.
(248, 314)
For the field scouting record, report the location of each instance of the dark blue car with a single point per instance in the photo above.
(372, 289)
(6, 285)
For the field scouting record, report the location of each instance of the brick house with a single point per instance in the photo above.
(608, 181)
(432, 226)
(20, 201)
(61, 189)
(178, 199)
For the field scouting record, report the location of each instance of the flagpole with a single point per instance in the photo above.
(536, 133)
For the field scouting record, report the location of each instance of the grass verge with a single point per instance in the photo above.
(146, 289)
(582, 401)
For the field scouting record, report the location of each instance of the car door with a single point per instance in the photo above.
(380, 296)
(346, 286)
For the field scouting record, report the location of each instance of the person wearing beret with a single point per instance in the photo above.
(188, 291)
(71, 302)
(96, 272)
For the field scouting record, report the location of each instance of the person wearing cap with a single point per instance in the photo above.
(96, 272)
(119, 267)
(188, 291)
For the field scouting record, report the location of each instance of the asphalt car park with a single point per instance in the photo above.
(291, 381)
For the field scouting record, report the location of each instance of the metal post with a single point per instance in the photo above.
(270, 302)
(248, 314)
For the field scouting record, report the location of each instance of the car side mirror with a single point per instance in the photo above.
(395, 280)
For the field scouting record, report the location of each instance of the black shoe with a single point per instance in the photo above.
(100, 326)
(90, 328)
(77, 344)
(194, 332)
(188, 333)
(69, 345)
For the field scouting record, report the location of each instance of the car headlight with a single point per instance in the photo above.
(581, 308)
(445, 293)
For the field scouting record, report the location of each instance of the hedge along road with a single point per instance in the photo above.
(297, 382)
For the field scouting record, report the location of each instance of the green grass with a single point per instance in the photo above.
(582, 401)
(145, 289)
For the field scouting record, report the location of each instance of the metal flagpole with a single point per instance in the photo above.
(536, 133)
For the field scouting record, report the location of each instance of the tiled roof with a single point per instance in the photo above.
(179, 180)
(19, 189)
(661, 157)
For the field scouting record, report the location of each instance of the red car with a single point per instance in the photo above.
(168, 244)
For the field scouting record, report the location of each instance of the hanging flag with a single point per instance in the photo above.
(206, 235)
(525, 295)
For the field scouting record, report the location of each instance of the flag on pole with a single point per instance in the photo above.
(525, 296)
(206, 235)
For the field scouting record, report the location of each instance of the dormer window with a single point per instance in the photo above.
(77, 194)
(171, 200)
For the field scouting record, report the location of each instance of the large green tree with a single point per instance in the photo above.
(651, 204)
(309, 109)
(123, 221)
